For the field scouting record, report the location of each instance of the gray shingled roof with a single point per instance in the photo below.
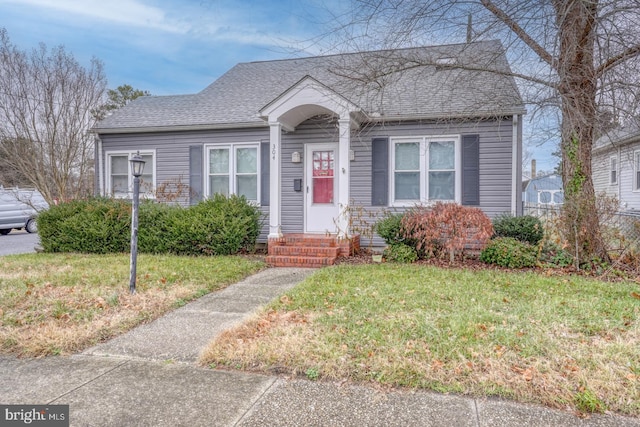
(427, 87)
(619, 136)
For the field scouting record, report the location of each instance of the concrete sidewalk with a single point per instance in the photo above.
(147, 377)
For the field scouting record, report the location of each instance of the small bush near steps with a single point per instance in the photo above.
(400, 252)
(390, 229)
(509, 252)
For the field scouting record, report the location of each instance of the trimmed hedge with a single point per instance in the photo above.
(525, 228)
(97, 226)
(217, 226)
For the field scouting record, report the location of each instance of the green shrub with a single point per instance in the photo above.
(226, 225)
(155, 224)
(555, 256)
(509, 252)
(525, 228)
(97, 225)
(218, 226)
(390, 229)
(399, 252)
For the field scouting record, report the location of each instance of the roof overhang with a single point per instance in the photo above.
(308, 98)
(178, 128)
(608, 142)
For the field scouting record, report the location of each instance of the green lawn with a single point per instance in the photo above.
(563, 341)
(63, 303)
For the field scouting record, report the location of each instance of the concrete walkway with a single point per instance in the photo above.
(148, 377)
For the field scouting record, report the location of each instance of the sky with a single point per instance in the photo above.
(167, 47)
(171, 47)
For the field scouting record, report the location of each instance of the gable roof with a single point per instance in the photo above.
(622, 135)
(371, 80)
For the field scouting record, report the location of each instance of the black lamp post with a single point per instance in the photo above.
(137, 166)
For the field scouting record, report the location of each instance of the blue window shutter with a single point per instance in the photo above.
(379, 171)
(471, 170)
(265, 163)
(195, 174)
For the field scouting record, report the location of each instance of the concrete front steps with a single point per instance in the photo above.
(309, 250)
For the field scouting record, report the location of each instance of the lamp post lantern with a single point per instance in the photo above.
(137, 167)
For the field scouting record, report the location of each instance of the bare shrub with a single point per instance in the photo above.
(447, 228)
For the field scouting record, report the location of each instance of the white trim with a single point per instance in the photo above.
(613, 159)
(516, 184)
(275, 179)
(129, 153)
(101, 167)
(634, 187)
(423, 143)
(232, 147)
(306, 98)
(333, 209)
(619, 189)
(343, 175)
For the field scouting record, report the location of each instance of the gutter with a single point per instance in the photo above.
(369, 118)
(178, 128)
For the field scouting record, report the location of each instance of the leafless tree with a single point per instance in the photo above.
(46, 104)
(579, 57)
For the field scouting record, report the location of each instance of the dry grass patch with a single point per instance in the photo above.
(566, 342)
(62, 303)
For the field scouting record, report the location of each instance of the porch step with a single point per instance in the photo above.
(309, 250)
(300, 261)
(305, 251)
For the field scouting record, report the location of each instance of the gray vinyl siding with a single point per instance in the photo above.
(292, 206)
(495, 163)
(172, 153)
(495, 158)
(600, 172)
(624, 191)
(172, 161)
(495, 166)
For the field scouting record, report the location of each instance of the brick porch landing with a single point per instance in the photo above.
(309, 250)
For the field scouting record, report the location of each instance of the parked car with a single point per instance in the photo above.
(19, 209)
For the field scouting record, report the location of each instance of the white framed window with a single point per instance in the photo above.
(613, 170)
(425, 169)
(233, 169)
(118, 174)
(550, 197)
(636, 171)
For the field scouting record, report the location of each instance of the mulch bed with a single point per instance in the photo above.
(621, 272)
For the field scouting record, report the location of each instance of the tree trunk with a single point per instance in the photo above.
(577, 89)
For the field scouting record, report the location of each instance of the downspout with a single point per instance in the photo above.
(100, 183)
(515, 155)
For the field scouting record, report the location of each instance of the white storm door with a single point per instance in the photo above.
(321, 192)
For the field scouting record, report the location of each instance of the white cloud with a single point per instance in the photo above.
(124, 12)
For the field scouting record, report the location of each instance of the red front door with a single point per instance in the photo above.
(321, 211)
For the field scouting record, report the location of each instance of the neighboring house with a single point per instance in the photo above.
(543, 191)
(615, 165)
(307, 138)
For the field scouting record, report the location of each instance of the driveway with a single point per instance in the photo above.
(18, 242)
